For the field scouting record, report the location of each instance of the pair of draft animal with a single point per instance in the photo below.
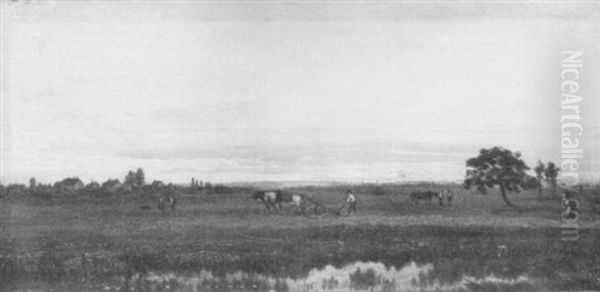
(427, 196)
(273, 199)
(163, 203)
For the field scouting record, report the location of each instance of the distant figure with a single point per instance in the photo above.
(564, 200)
(567, 202)
(145, 207)
(172, 202)
(569, 206)
(298, 203)
(444, 195)
(449, 197)
(440, 196)
(161, 203)
(351, 202)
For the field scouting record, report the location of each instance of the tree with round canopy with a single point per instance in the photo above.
(496, 166)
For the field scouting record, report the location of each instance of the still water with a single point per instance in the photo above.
(357, 276)
(422, 259)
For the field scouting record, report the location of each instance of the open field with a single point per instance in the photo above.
(97, 243)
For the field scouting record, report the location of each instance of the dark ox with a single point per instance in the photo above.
(445, 195)
(426, 196)
(271, 199)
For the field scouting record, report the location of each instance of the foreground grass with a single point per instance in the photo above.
(97, 240)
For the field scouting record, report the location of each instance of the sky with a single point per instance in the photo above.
(286, 91)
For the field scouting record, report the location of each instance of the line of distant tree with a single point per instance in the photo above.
(134, 182)
(493, 167)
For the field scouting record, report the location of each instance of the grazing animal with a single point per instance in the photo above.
(426, 196)
(163, 201)
(446, 195)
(271, 199)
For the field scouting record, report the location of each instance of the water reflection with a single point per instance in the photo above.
(358, 276)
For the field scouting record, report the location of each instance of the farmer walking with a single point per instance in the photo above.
(351, 202)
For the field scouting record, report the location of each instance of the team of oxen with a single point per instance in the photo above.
(428, 196)
(165, 202)
(299, 203)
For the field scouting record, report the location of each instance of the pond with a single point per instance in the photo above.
(358, 276)
(421, 259)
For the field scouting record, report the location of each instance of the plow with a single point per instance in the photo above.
(319, 208)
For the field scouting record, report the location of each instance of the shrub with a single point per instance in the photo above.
(530, 183)
(363, 280)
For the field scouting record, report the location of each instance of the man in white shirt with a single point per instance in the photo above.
(351, 201)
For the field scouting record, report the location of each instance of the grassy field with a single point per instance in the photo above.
(93, 243)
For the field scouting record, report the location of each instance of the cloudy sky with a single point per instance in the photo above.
(282, 91)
